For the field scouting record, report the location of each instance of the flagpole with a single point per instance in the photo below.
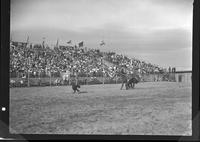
(57, 43)
(43, 42)
(27, 41)
(101, 44)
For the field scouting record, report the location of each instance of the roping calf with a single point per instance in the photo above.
(131, 82)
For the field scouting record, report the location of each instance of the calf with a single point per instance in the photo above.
(131, 82)
(75, 87)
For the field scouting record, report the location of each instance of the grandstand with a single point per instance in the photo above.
(30, 63)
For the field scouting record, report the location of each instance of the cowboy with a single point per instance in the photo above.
(124, 78)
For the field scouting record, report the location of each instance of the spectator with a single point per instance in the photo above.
(40, 61)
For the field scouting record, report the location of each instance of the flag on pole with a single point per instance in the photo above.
(57, 43)
(43, 42)
(27, 41)
(102, 43)
(80, 44)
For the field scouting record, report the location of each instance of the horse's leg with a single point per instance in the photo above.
(63, 82)
(126, 85)
(130, 85)
(67, 82)
(122, 85)
(133, 85)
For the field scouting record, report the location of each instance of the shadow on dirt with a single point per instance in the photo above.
(147, 88)
(83, 92)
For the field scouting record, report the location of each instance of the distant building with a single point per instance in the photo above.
(19, 44)
(183, 76)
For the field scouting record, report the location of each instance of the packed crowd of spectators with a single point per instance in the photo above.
(133, 64)
(40, 61)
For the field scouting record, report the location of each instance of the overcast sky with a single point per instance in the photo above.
(156, 31)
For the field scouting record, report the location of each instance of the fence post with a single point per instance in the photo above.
(28, 79)
(87, 79)
(103, 79)
(50, 77)
(39, 78)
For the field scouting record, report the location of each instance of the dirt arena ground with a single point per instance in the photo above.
(152, 108)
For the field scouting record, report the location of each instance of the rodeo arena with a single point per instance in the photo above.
(72, 89)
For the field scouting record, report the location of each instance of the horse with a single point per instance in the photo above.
(128, 80)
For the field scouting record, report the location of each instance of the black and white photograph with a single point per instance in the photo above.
(101, 67)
